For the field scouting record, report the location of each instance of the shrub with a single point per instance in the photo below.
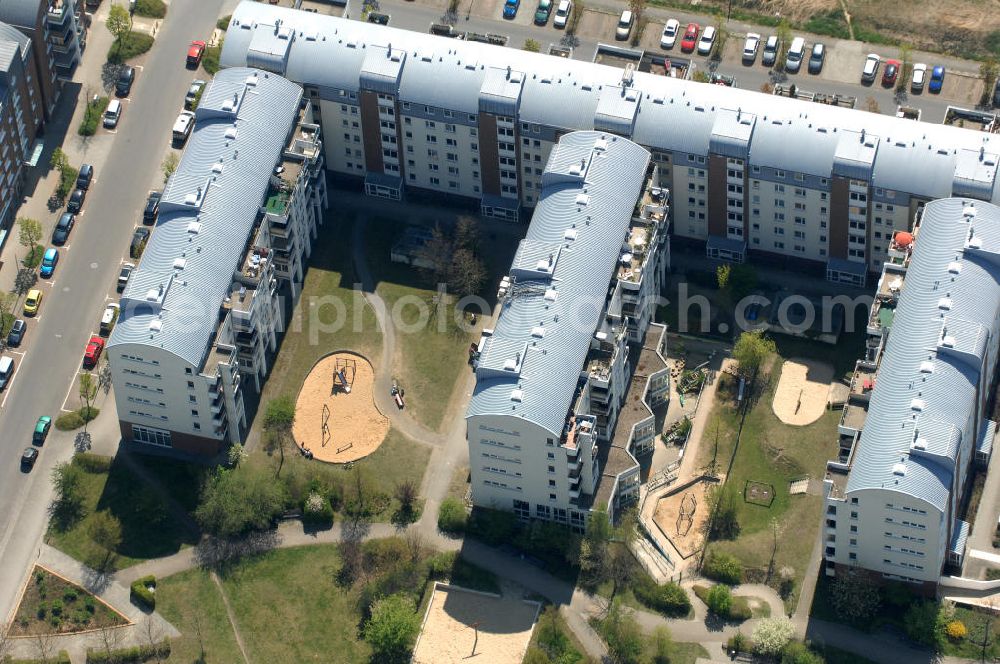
(61, 658)
(133, 655)
(920, 621)
(724, 568)
(223, 23)
(316, 511)
(88, 125)
(451, 516)
(136, 44)
(75, 419)
(956, 630)
(439, 565)
(150, 8)
(142, 593)
(392, 629)
(57, 608)
(738, 642)
(719, 600)
(493, 526)
(67, 180)
(669, 598)
(93, 463)
(210, 61)
(70, 595)
(797, 652)
(771, 635)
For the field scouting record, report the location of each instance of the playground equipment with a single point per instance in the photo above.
(344, 370)
(325, 432)
(397, 394)
(685, 517)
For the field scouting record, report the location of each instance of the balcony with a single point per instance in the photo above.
(576, 426)
(58, 11)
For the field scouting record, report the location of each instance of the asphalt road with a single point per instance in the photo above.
(87, 270)
(418, 17)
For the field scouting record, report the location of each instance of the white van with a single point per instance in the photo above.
(793, 61)
(109, 318)
(183, 126)
(112, 114)
(562, 13)
(6, 370)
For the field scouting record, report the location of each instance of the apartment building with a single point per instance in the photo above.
(816, 186)
(551, 433)
(201, 312)
(917, 418)
(21, 116)
(57, 29)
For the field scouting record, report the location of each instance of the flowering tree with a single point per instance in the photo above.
(771, 635)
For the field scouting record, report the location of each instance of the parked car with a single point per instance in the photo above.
(563, 11)
(93, 352)
(193, 94)
(152, 209)
(793, 59)
(770, 51)
(891, 72)
(707, 40)
(543, 11)
(182, 127)
(624, 27)
(113, 114)
(16, 334)
(109, 317)
(139, 239)
(126, 76)
(76, 200)
(63, 227)
(937, 79)
(690, 37)
(124, 274)
(510, 8)
(32, 301)
(379, 17)
(816, 58)
(85, 176)
(28, 458)
(194, 53)
(870, 69)
(669, 36)
(6, 370)
(41, 431)
(49, 261)
(750, 47)
(919, 77)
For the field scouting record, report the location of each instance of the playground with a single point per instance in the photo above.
(681, 516)
(461, 624)
(803, 391)
(335, 415)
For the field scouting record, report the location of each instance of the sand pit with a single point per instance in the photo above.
(803, 391)
(354, 427)
(690, 538)
(447, 635)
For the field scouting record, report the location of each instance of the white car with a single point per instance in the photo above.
(707, 40)
(624, 27)
(670, 31)
(182, 127)
(870, 70)
(112, 114)
(919, 77)
(562, 13)
(750, 47)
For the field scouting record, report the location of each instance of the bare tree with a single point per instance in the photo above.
(109, 639)
(278, 419)
(88, 392)
(169, 165)
(200, 634)
(153, 636)
(6, 641)
(44, 647)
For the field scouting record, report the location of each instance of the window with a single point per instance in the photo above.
(190, 384)
(552, 496)
(779, 173)
(187, 370)
(196, 426)
(552, 483)
(852, 556)
(192, 398)
(150, 436)
(854, 529)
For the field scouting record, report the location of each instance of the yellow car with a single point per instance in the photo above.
(32, 302)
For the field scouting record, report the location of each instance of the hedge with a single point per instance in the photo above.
(67, 176)
(723, 568)
(61, 658)
(452, 517)
(223, 23)
(75, 419)
(136, 44)
(150, 8)
(131, 655)
(141, 593)
(91, 117)
(669, 598)
(93, 463)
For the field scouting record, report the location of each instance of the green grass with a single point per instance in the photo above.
(180, 479)
(687, 653)
(971, 647)
(148, 528)
(774, 453)
(88, 127)
(135, 45)
(210, 60)
(76, 419)
(150, 8)
(34, 257)
(223, 23)
(191, 602)
(469, 576)
(52, 605)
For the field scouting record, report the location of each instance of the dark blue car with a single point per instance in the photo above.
(937, 79)
(510, 8)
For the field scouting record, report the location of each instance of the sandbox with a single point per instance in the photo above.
(681, 515)
(803, 391)
(458, 619)
(335, 414)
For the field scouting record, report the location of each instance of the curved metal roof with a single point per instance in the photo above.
(207, 212)
(545, 327)
(20, 12)
(10, 33)
(924, 416)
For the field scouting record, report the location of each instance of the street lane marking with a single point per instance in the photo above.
(72, 384)
(10, 387)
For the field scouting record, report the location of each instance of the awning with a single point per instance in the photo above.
(384, 180)
(985, 443)
(849, 267)
(959, 538)
(36, 152)
(731, 245)
(491, 200)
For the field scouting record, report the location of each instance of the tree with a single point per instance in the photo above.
(797, 652)
(59, 161)
(750, 351)
(988, 70)
(119, 25)
(237, 454)
(467, 273)
(531, 46)
(154, 638)
(663, 645)
(406, 494)
(29, 232)
(719, 600)
(771, 635)
(767, 88)
(392, 628)
(169, 165)
(854, 596)
(594, 548)
(278, 419)
(906, 60)
(920, 622)
(622, 634)
(784, 33)
(721, 37)
(637, 7)
(88, 392)
(105, 531)
(723, 567)
(68, 507)
(240, 501)
(722, 274)
(435, 254)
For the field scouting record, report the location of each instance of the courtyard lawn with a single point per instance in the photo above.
(774, 453)
(149, 530)
(192, 604)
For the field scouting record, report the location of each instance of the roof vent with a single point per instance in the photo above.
(550, 294)
(179, 263)
(538, 332)
(252, 79)
(575, 169)
(570, 234)
(918, 405)
(899, 469)
(944, 303)
(954, 267)
(601, 144)
(153, 294)
(194, 227)
(948, 341)
(975, 243)
(544, 265)
(919, 444)
(969, 211)
(582, 199)
(516, 395)
(217, 167)
(231, 133)
(155, 325)
(926, 367)
(510, 365)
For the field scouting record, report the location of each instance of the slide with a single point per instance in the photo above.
(343, 381)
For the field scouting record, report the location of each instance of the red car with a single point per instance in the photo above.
(93, 353)
(891, 72)
(690, 37)
(195, 51)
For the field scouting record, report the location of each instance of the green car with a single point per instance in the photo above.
(41, 430)
(543, 11)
